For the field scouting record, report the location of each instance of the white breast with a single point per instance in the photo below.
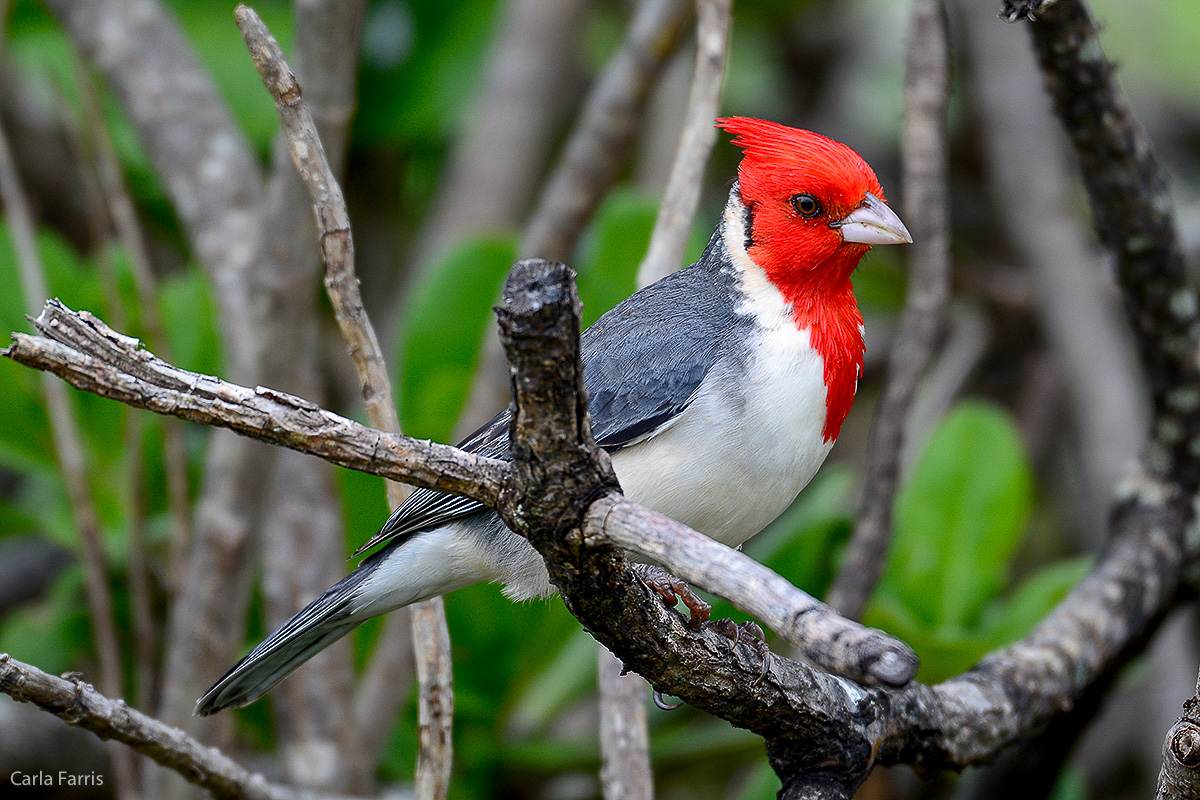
(737, 457)
(751, 439)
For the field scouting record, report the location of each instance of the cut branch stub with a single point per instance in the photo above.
(552, 444)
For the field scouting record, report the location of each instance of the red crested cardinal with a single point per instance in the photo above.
(718, 391)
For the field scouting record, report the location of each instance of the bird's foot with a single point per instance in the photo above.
(749, 632)
(672, 590)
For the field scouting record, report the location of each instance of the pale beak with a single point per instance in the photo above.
(873, 223)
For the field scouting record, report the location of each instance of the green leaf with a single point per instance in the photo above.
(960, 517)
(189, 320)
(422, 63)
(54, 632)
(800, 545)
(442, 330)
(612, 250)
(568, 676)
(1017, 614)
(614, 246)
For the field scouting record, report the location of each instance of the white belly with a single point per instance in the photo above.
(737, 457)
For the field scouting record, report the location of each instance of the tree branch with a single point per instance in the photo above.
(79, 704)
(682, 195)
(72, 461)
(813, 722)
(601, 137)
(91, 356)
(588, 166)
(431, 638)
(1134, 218)
(926, 209)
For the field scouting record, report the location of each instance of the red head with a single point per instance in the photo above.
(804, 190)
(815, 209)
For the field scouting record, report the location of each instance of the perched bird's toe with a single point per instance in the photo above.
(672, 590)
(748, 632)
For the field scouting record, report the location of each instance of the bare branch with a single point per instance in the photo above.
(431, 637)
(91, 356)
(588, 166)
(814, 723)
(624, 740)
(1134, 217)
(926, 210)
(79, 704)
(822, 636)
(523, 99)
(605, 129)
(333, 222)
(1075, 294)
(682, 195)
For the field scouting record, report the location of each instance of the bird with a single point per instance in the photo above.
(718, 391)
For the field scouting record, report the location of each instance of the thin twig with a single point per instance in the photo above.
(79, 704)
(527, 92)
(72, 460)
(682, 194)
(815, 724)
(430, 635)
(90, 356)
(120, 206)
(145, 665)
(605, 129)
(926, 211)
(624, 738)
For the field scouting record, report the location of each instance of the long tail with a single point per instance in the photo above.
(405, 571)
(318, 625)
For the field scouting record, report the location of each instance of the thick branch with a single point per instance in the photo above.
(821, 635)
(91, 356)
(1134, 218)
(1180, 775)
(557, 470)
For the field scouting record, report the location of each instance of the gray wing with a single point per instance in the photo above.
(640, 369)
(428, 508)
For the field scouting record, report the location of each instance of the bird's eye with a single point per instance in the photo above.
(806, 205)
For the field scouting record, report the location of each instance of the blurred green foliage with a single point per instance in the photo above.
(959, 519)
(524, 674)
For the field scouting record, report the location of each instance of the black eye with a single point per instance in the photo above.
(806, 205)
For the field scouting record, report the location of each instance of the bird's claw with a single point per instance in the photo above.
(754, 637)
(663, 704)
(672, 590)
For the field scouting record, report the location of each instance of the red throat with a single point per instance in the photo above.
(802, 252)
(823, 303)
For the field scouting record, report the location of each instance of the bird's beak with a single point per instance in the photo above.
(873, 223)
